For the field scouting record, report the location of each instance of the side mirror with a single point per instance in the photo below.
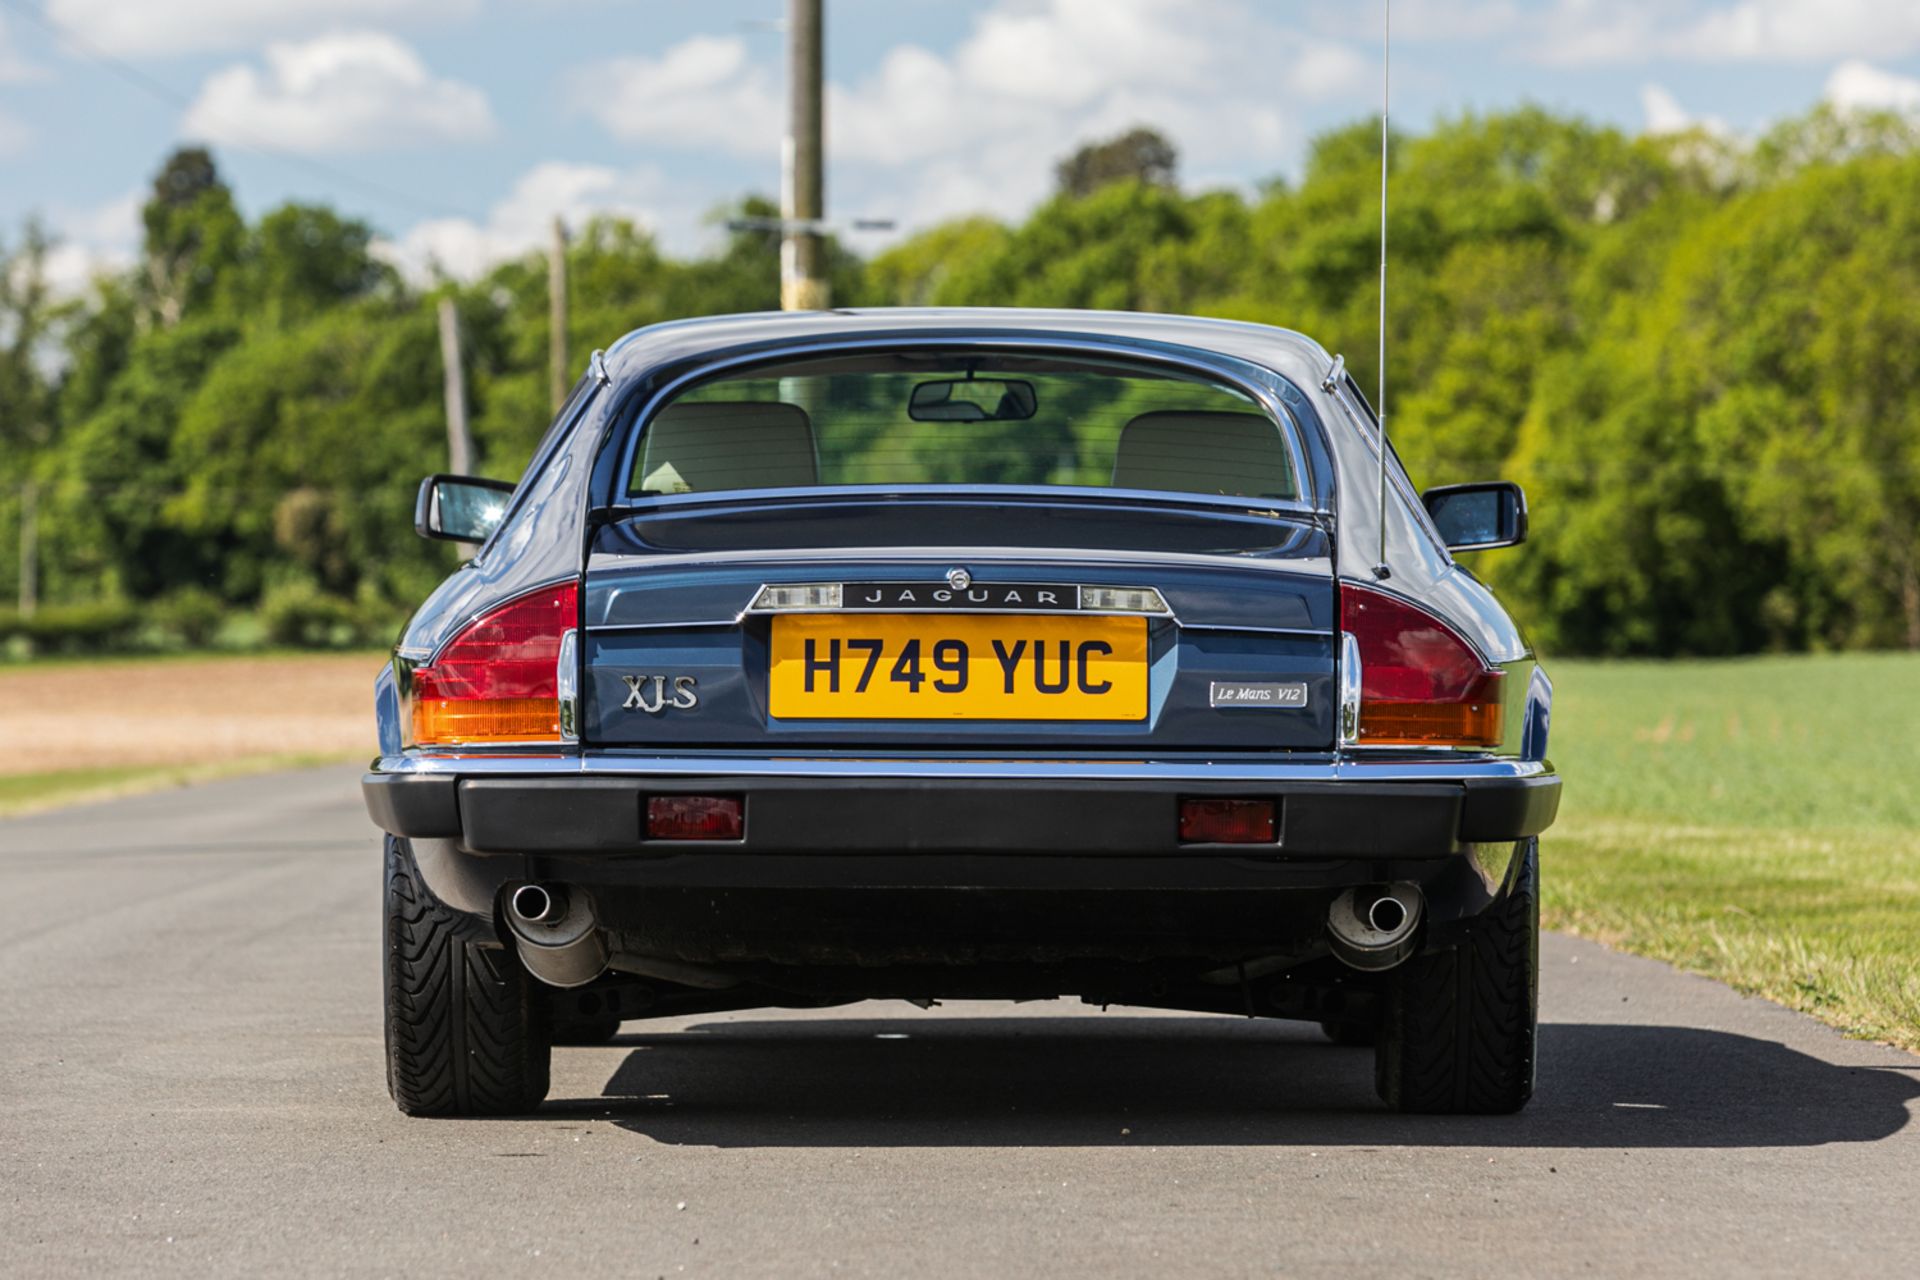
(460, 508)
(1474, 517)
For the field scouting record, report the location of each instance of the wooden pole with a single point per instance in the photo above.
(29, 549)
(803, 269)
(558, 365)
(459, 438)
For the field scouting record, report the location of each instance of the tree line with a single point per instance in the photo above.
(1701, 357)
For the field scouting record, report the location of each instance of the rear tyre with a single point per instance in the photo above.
(466, 1031)
(1460, 1025)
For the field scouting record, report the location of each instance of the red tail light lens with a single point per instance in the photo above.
(695, 817)
(1219, 821)
(1421, 684)
(497, 681)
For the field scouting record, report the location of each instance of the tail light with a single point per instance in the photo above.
(1421, 684)
(498, 681)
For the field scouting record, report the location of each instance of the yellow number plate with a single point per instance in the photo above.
(944, 666)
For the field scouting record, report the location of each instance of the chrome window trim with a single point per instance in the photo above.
(1288, 424)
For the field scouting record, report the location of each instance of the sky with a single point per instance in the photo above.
(458, 128)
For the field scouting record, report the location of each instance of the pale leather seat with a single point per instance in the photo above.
(705, 446)
(1240, 455)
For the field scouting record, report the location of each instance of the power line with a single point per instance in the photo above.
(163, 92)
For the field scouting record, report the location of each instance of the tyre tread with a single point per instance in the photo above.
(1461, 1023)
(465, 1031)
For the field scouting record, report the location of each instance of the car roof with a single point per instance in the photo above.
(1290, 354)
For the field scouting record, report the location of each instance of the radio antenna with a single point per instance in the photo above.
(1380, 569)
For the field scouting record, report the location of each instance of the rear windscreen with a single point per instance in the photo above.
(920, 418)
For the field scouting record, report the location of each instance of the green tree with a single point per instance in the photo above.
(1140, 155)
(302, 260)
(194, 235)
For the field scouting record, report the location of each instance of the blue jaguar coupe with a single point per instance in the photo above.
(920, 654)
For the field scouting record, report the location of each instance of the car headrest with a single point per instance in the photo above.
(1205, 451)
(704, 446)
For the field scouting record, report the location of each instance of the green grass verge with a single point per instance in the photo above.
(24, 793)
(1757, 821)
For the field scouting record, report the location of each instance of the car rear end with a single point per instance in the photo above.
(959, 666)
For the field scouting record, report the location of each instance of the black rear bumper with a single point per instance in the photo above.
(577, 814)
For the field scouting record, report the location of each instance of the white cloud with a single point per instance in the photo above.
(1664, 112)
(1590, 32)
(702, 93)
(520, 223)
(146, 28)
(1857, 86)
(90, 241)
(348, 91)
(1665, 115)
(1802, 30)
(1419, 21)
(979, 128)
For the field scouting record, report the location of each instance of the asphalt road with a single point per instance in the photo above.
(190, 1082)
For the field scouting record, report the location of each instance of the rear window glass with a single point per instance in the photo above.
(921, 418)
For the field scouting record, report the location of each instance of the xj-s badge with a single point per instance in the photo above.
(649, 693)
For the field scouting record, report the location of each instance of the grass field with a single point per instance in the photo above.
(1757, 821)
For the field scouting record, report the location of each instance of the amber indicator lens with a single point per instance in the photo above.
(695, 817)
(1217, 821)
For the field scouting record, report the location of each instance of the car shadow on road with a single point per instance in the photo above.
(867, 1082)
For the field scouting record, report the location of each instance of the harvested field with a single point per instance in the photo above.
(184, 712)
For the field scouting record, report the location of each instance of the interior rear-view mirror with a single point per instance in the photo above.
(972, 400)
(1474, 517)
(460, 508)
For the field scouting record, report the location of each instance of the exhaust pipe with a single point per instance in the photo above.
(1372, 928)
(560, 941)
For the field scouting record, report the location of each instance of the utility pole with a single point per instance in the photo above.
(803, 266)
(459, 438)
(29, 549)
(557, 366)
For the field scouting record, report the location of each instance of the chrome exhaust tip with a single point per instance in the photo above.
(1372, 928)
(557, 936)
(538, 904)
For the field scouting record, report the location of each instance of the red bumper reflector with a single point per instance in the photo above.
(1213, 821)
(694, 818)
